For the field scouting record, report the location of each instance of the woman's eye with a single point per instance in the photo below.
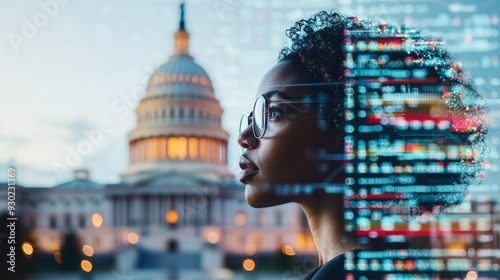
(274, 112)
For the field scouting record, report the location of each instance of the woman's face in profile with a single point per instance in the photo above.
(288, 153)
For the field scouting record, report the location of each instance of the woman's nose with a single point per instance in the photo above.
(246, 139)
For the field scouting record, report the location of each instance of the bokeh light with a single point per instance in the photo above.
(57, 257)
(97, 220)
(27, 248)
(471, 275)
(250, 249)
(248, 265)
(171, 217)
(88, 250)
(213, 237)
(241, 219)
(288, 250)
(132, 238)
(86, 265)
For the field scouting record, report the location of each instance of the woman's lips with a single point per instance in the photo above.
(247, 174)
(248, 169)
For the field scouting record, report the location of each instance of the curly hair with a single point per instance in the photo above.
(317, 51)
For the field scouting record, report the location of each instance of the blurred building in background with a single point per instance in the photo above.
(178, 204)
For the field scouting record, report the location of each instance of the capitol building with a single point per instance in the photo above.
(177, 205)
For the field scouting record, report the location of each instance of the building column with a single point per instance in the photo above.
(217, 210)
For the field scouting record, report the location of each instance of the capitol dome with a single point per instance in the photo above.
(178, 121)
(180, 77)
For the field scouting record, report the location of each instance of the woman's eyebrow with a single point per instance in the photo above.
(278, 94)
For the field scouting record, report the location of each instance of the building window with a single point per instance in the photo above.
(221, 151)
(279, 219)
(191, 113)
(96, 201)
(81, 202)
(279, 242)
(162, 143)
(172, 246)
(257, 240)
(140, 149)
(242, 240)
(33, 221)
(52, 222)
(216, 151)
(203, 149)
(132, 152)
(163, 113)
(97, 242)
(148, 149)
(193, 148)
(154, 148)
(301, 241)
(182, 146)
(261, 218)
(172, 147)
(181, 113)
(241, 219)
(67, 221)
(172, 112)
(211, 150)
(81, 221)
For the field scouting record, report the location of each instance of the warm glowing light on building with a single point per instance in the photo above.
(27, 248)
(171, 217)
(86, 265)
(213, 237)
(193, 148)
(288, 250)
(241, 219)
(132, 238)
(182, 147)
(54, 246)
(471, 275)
(88, 250)
(250, 249)
(301, 241)
(57, 257)
(172, 147)
(154, 148)
(162, 142)
(96, 220)
(248, 265)
(203, 148)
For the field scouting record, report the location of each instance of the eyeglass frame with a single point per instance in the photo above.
(250, 116)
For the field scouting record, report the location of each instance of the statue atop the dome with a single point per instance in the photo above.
(182, 24)
(181, 36)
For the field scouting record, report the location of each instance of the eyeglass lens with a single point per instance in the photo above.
(259, 117)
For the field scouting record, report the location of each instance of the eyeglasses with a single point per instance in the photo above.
(260, 116)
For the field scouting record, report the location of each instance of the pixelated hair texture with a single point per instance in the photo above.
(317, 51)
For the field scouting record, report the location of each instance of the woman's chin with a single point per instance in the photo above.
(260, 199)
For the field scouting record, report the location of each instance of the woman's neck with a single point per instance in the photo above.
(324, 213)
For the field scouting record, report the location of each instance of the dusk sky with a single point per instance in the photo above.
(60, 82)
(68, 66)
